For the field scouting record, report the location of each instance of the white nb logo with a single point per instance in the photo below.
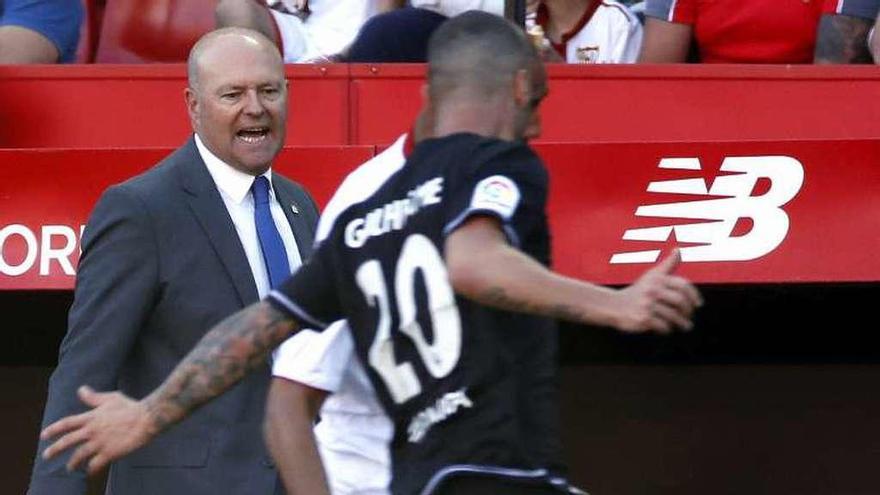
(769, 222)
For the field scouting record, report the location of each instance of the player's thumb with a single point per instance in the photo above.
(88, 396)
(670, 263)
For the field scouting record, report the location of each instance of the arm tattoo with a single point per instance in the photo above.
(842, 40)
(497, 297)
(235, 346)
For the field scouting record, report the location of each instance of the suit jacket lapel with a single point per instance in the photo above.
(208, 207)
(303, 230)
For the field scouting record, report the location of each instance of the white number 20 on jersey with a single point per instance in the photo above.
(439, 357)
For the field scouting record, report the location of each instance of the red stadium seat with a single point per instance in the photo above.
(134, 31)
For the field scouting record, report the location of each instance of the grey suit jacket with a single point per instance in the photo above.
(161, 264)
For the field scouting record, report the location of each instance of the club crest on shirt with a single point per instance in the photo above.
(496, 193)
(587, 54)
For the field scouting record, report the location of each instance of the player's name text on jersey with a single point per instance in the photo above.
(393, 215)
(444, 407)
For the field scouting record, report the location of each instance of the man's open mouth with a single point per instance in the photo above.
(253, 135)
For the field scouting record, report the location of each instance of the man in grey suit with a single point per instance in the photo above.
(171, 252)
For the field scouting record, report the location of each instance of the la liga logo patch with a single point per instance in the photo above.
(496, 193)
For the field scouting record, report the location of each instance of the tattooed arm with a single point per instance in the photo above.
(842, 39)
(484, 267)
(236, 346)
(118, 425)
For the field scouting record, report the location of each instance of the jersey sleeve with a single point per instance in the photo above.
(316, 359)
(310, 295)
(510, 185)
(678, 11)
(866, 9)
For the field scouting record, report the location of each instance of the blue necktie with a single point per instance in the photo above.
(270, 240)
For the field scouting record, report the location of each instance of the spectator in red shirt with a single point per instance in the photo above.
(736, 31)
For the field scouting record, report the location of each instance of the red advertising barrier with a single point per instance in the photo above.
(637, 103)
(47, 195)
(142, 106)
(790, 211)
(753, 212)
(96, 106)
(385, 100)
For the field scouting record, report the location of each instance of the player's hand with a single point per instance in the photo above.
(115, 426)
(659, 301)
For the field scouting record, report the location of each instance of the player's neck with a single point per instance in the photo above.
(481, 118)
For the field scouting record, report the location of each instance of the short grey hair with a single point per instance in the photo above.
(478, 51)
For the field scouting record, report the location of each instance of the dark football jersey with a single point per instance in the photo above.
(444, 367)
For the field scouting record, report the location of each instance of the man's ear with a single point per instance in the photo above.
(522, 88)
(192, 104)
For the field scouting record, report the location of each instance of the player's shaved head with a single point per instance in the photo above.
(216, 44)
(477, 52)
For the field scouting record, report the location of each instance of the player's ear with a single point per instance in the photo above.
(521, 88)
(424, 125)
(425, 119)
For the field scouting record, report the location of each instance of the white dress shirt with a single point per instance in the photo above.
(235, 189)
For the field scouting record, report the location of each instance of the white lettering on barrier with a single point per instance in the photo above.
(733, 201)
(30, 241)
(40, 247)
(62, 255)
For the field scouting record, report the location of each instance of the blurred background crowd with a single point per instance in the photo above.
(379, 31)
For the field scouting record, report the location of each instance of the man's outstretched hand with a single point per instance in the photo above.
(659, 300)
(115, 426)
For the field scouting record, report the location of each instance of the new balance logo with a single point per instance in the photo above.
(718, 216)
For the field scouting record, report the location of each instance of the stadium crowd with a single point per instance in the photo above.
(573, 31)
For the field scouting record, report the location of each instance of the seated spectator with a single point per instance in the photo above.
(738, 31)
(843, 32)
(580, 31)
(39, 31)
(402, 35)
(396, 36)
(451, 8)
(589, 31)
(305, 31)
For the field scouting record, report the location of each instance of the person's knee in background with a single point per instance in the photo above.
(39, 32)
